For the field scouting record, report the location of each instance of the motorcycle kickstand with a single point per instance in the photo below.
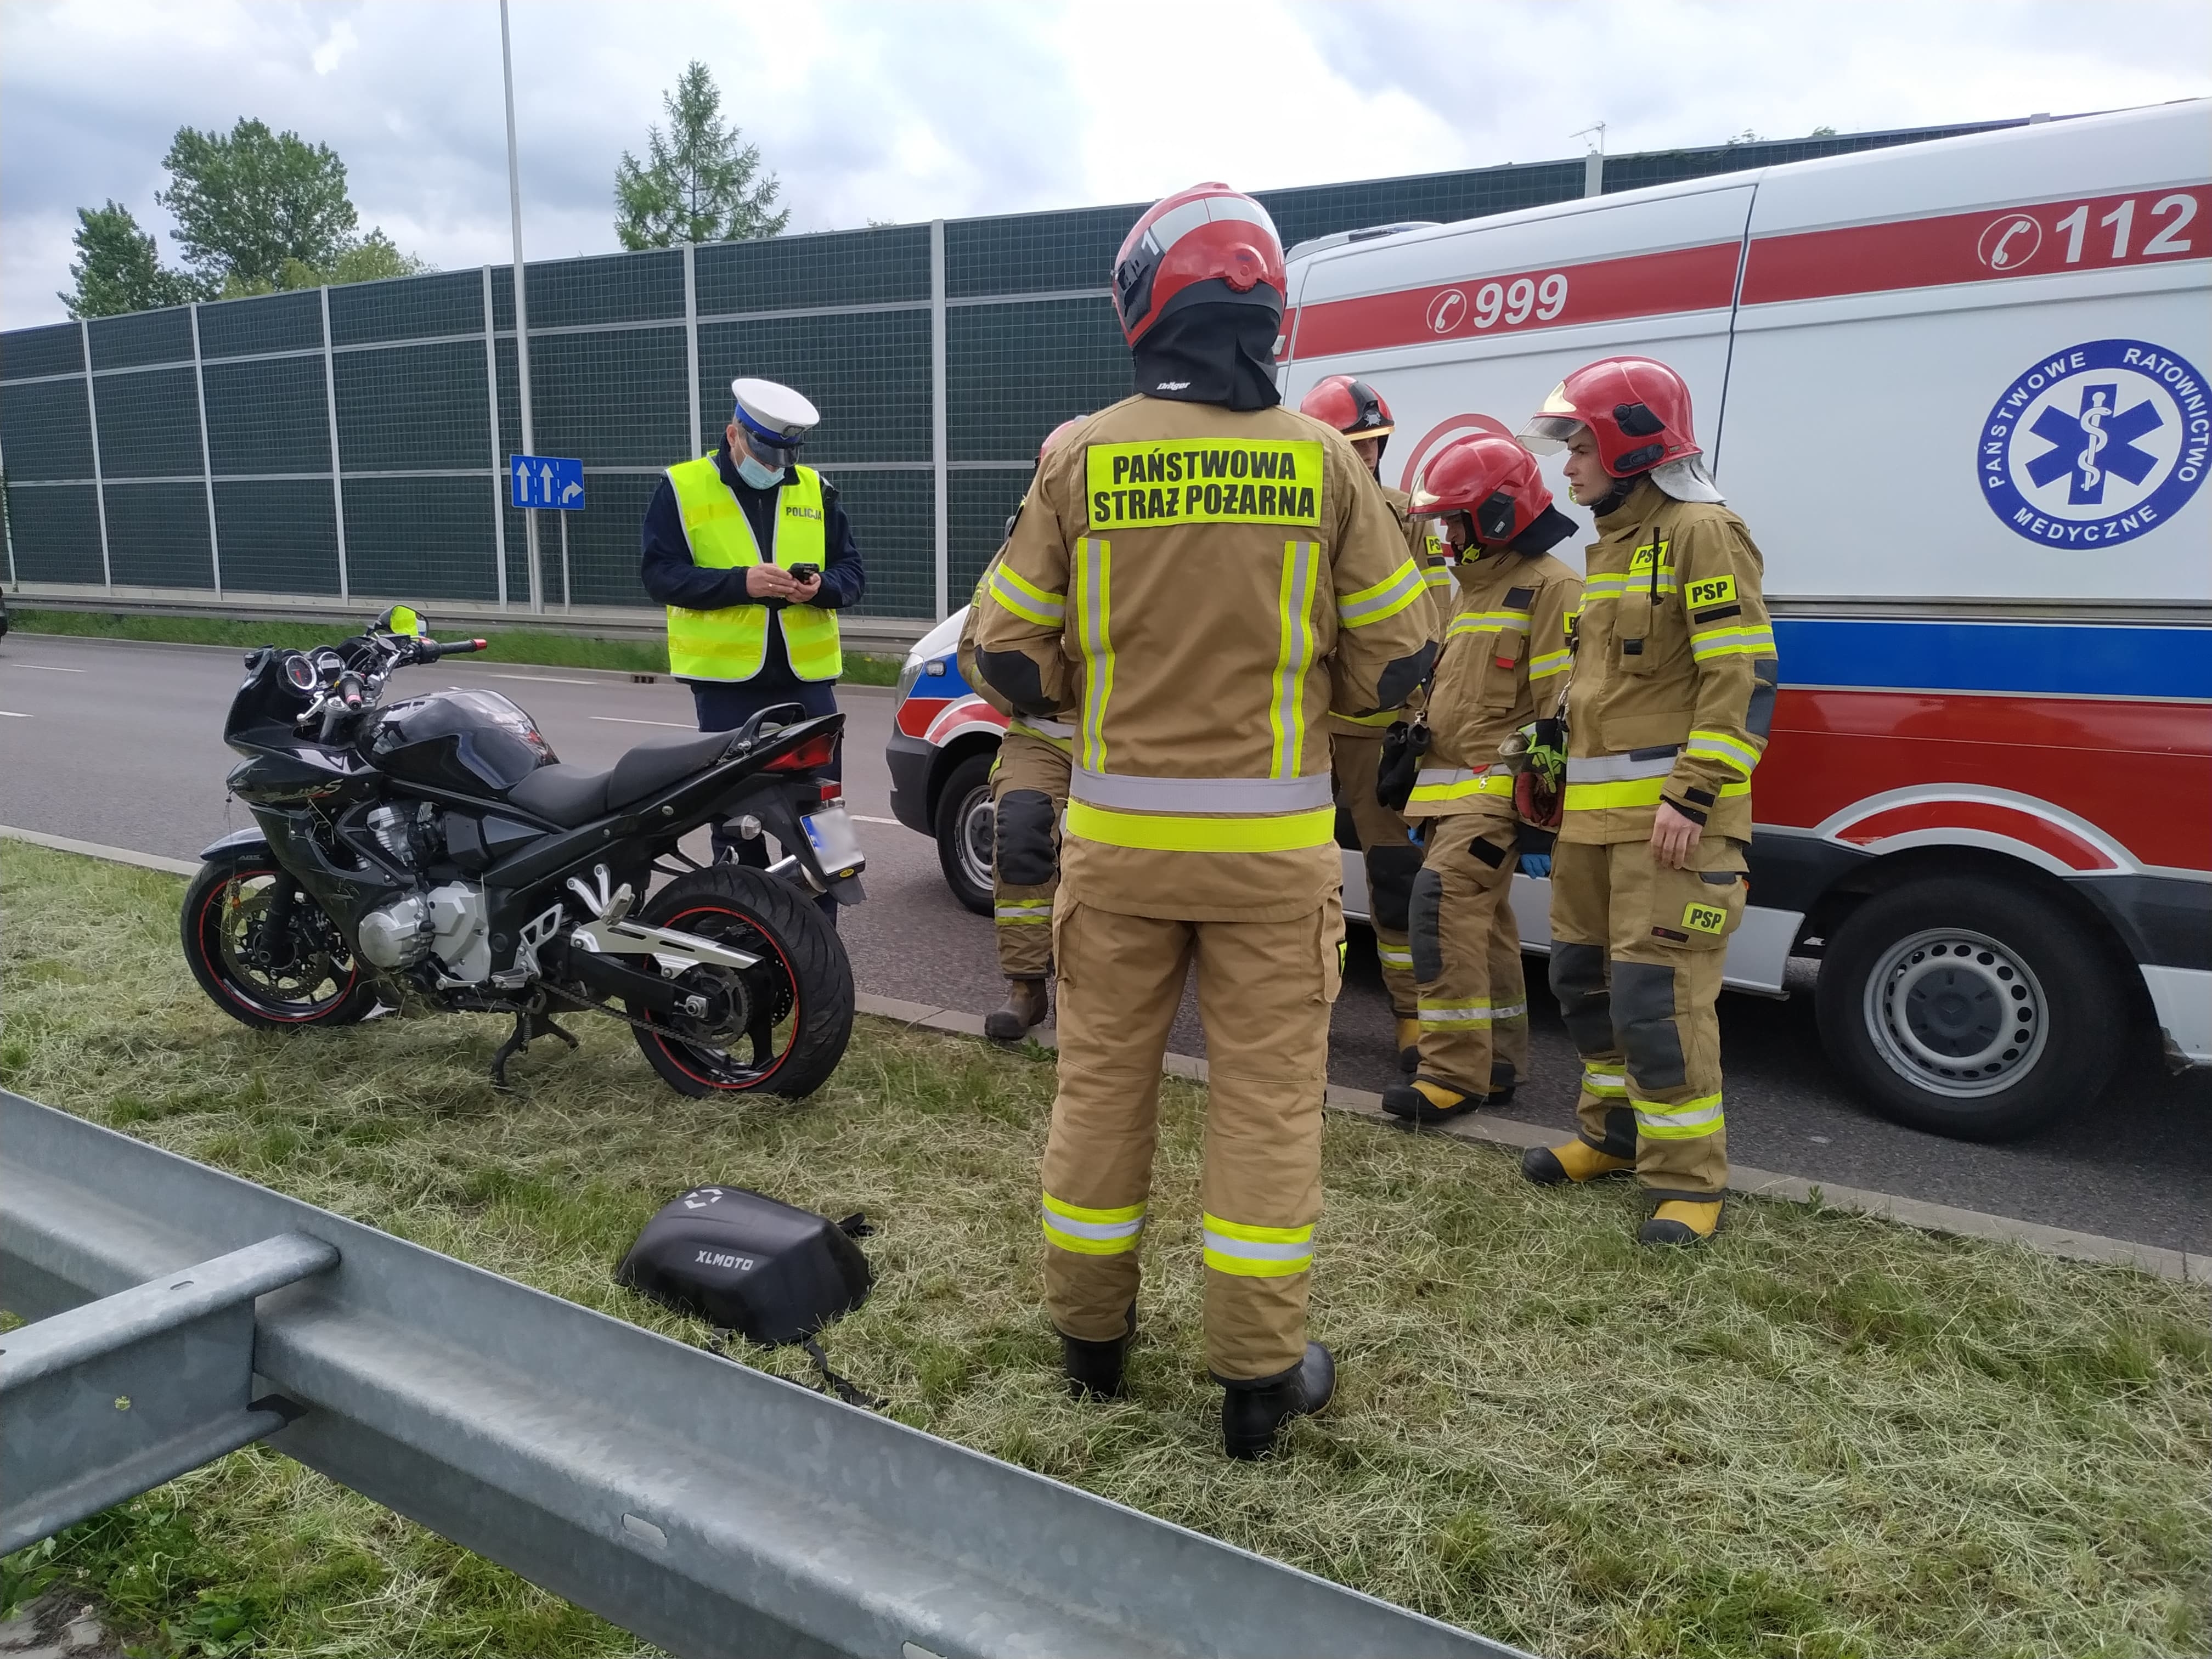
(530, 1025)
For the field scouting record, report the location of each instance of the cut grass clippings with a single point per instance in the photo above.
(1822, 1435)
(541, 648)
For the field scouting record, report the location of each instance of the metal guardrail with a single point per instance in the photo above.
(709, 1508)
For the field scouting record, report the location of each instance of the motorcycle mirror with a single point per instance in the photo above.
(402, 619)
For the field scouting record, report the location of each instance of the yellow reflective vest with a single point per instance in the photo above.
(732, 643)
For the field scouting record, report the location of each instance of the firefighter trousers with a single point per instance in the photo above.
(1264, 991)
(1467, 956)
(1391, 857)
(1029, 791)
(1636, 957)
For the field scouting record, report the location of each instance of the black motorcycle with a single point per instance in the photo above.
(436, 848)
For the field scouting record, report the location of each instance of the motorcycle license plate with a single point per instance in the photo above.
(835, 846)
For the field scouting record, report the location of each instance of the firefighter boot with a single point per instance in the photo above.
(1254, 1410)
(1094, 1368)
(1426, 1100)
(1025, 1006)
(1577, 1161)
(1409, 1045)
(1682, 1221)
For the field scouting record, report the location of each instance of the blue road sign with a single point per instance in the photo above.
(551, 481)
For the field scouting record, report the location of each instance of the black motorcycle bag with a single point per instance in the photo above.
(746, 1263)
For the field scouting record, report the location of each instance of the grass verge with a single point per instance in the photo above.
(542, 648)
(1822, 1436)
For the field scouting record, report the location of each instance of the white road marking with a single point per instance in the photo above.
(534, 679)
(617, 720)
(45, 668)
(9, 713)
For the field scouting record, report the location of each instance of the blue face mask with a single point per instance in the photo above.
(755, 475)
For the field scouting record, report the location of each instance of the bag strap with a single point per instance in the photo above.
(844, 1387)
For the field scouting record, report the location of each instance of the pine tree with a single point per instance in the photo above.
(119, 268)
(700, 182)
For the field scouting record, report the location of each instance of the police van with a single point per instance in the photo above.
(1955, 390)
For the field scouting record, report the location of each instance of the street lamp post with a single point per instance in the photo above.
(521, 304)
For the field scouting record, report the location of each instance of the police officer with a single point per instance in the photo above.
(1028, 791)
(753, 556)
(1672, 698)
(1355, 742)
(1504, 653)
(1201, 575)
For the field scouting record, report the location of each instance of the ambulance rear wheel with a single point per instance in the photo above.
(966, 824)
(1969, 1008)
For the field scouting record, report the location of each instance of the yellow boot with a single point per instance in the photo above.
(1682, 1221)
(1426, 1101)
(1577, 1161)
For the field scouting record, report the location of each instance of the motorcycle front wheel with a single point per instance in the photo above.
(269, 976)
(779, 1027)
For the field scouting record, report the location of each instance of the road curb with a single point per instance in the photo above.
(2063, 1242)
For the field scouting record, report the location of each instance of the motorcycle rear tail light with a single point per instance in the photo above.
(810, 755)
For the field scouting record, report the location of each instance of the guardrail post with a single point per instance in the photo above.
(99, 482)
(112, 1399)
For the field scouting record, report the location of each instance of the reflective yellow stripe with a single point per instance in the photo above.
(1438, 576)
(1289, 832)
(1606, 1086)
(1018, 913)
(1026, 599)
(1478, 622)
(1462, 788)
(1063, 741)
(1457, 1014)
(1692, 1119)
(1636, 792)
(1256, 1252)
(1385, 598)
(1286, 710)
(1393, 955)
(1719, 746)
(1543, 666)
(1093, 569)
(1383, 718)
(1732, 642)
(1085, 1231)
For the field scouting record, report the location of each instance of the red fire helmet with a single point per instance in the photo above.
(1207, 234)
(1351, 406)
(1638, 409)
(1491, 478)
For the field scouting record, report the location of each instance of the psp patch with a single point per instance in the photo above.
(2096, 443)
(1703, 918)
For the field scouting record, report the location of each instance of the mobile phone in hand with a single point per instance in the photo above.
(803, 572)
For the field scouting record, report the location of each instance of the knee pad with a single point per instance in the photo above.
(1643, 1024)
(1391, 873)
(1578, 982)
(1024, 852)
(1423, 908)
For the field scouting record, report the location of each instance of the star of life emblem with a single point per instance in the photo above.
(2097, 443)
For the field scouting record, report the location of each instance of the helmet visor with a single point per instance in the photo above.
(1547, 434)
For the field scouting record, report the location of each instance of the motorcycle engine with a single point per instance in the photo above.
(449, 922)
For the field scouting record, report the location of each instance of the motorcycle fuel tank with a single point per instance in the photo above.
(474, 743)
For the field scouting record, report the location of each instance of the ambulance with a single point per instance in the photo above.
(1956, 390)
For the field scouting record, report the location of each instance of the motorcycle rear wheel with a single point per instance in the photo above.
(780, 1027)
(225, 934)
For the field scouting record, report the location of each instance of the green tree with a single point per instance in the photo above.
(371, 258)
(119, 268)
(700, 182)
(247, 201)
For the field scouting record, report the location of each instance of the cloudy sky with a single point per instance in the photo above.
(908, 111)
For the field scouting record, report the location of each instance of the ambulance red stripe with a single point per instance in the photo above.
(1988, 245)
(1603, 290)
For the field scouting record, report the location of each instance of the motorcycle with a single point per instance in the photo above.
(436, 848)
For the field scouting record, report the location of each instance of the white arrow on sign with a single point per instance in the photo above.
(546, 472)
(522, 479)
(573, 491)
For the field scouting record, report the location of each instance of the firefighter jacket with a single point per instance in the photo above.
(1058, 731)
(1202, 585)
(1674, 672)
(1504, 654)
(1427, 553)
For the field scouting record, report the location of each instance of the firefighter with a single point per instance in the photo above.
(1202, 576)
(1355, 742)
(1500, 671)
(1672, 693)
(1029, 791)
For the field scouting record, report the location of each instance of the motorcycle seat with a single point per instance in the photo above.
(572, 795)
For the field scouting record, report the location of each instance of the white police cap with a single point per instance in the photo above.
(775, 414)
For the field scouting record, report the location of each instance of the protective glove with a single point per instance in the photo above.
(1535, 864)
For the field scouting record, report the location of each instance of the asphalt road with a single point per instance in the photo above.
(119, 743)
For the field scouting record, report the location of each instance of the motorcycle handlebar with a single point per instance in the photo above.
(431, 650)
